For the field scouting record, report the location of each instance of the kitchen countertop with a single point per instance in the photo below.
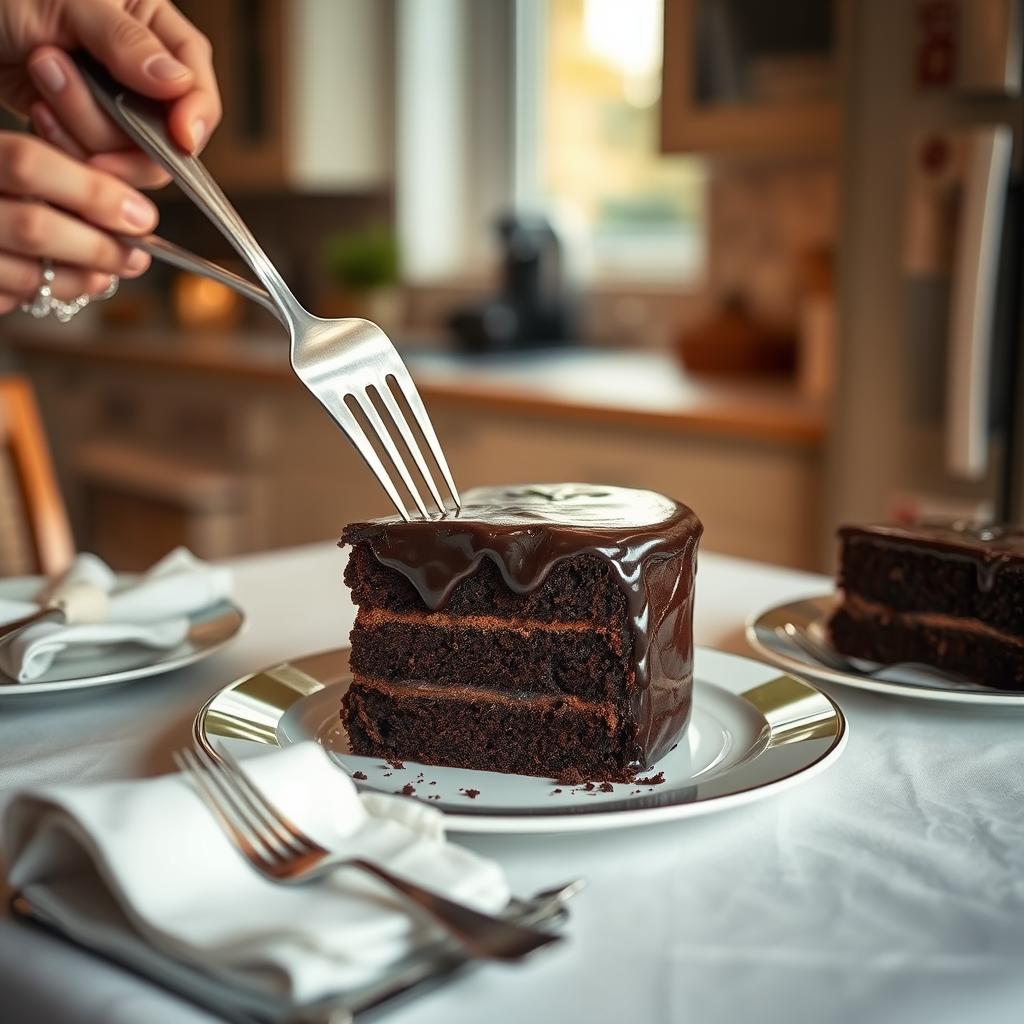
(629, 388)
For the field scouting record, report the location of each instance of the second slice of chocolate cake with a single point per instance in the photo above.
(545, 630)
(942, 594)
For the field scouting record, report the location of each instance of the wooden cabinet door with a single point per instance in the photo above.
(795, 118)
(248, 149)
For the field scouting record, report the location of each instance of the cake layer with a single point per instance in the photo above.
(575, 659)
(966, 646)
(576, 589)
(937, 570)
(480, 729)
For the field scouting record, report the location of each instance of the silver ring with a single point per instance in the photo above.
(44, 302)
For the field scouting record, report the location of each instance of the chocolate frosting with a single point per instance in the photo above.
(649, 541)
(988, 547)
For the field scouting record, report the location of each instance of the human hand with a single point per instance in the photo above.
(61, 199)
(148, 45)
(55, 207)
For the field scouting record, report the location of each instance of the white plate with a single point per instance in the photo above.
(753, 732)
(210, 630)
(811, 614)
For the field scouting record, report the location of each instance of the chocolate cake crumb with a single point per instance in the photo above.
(554, 791)
(652, 780)
(589, 786)
(361, 776)
(397, 765)
(472, 793)
(606, 787)
(433, 782)
(408, 789)
(387, 775)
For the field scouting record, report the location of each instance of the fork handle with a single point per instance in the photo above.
(144, 121)
(484, 935)
(180, 257)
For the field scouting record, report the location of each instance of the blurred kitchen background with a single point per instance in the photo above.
(761, 257)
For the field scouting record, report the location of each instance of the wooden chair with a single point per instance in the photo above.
(35, 535)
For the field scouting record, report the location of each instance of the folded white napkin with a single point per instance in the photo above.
(181, 887)
(152, 611)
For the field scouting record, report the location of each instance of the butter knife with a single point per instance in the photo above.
(70, 603)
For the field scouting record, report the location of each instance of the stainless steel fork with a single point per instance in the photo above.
(279, 849)
(350, 366)
(831, 658)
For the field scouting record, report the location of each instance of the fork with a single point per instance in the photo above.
(349, 365)
(831, 658)
(282, 852)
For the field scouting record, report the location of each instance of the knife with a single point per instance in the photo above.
(68, 603)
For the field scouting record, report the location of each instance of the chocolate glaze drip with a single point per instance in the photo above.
(990, 548)
(649, 541)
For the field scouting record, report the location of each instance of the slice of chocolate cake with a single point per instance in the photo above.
(543, 630)
(946, 595)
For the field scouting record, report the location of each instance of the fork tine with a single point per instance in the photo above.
(402, 425)
(344, 417)
(255, 816)
(229, 795)
(400, 375)
(362, 399)
(288, 833)
(234, 827)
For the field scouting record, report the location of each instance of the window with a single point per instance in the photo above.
(544, 105)
(588, 85)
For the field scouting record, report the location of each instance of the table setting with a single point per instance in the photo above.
(93, 627)
(887, 885)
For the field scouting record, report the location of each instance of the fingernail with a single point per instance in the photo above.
(49, 72)
(198, 134)
(137, 212)
(137, 260)
(164, 68)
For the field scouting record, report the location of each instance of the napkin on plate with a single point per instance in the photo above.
(146, 862)
(151, 611)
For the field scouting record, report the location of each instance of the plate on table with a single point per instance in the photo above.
(210, 630)
(752, 733)
(811, 614)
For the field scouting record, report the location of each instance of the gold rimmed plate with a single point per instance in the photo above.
(753, 732)
(811, 614)
(209, 631)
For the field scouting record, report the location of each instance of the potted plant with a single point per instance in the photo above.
(364, 268)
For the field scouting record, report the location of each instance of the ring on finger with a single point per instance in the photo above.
(41, 303)
(44, 302)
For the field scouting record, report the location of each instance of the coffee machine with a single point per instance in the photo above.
(532, 308)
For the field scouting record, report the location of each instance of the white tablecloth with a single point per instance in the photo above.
(890, 888)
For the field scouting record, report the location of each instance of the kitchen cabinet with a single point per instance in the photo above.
(307, 93)
(746, 77)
